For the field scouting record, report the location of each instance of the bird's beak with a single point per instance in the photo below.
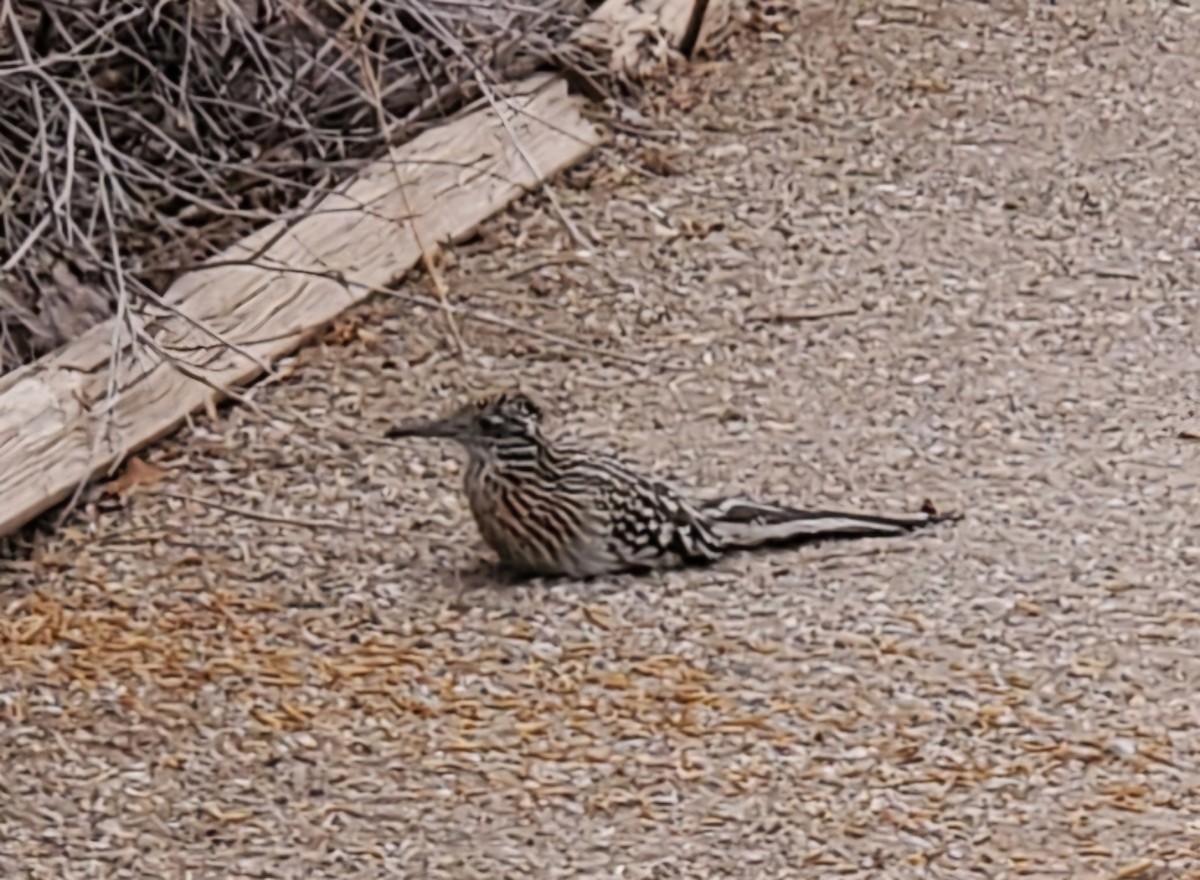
(451, 426)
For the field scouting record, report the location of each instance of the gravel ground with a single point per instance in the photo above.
(943, 251)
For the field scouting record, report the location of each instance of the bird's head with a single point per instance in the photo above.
(485, 422)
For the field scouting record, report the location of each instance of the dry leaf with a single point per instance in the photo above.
(341, 331)
(137, 473)
(346, 330)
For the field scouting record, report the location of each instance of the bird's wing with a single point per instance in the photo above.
(649, 523)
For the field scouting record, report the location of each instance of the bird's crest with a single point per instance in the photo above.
(506, 413)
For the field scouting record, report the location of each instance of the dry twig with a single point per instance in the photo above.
(263, 516)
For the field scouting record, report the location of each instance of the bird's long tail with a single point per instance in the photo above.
(743, 524)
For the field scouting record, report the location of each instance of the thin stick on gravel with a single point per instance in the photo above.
(262, 516)
(516, 326)
(801, 317)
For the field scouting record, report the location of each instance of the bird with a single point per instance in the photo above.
(551, 508)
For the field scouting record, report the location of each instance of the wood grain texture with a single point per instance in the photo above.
(268, 293)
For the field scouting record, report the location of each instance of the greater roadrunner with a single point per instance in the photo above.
(554, 509)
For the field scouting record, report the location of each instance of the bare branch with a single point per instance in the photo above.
(140, 138)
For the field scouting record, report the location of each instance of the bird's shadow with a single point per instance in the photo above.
(487, 574)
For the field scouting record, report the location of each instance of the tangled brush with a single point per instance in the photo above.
(138, 139)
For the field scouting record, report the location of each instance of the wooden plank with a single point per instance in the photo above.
(55, 430)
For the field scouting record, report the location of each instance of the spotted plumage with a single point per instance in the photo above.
(553, 508)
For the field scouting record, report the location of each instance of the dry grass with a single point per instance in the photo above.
(991, 194)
